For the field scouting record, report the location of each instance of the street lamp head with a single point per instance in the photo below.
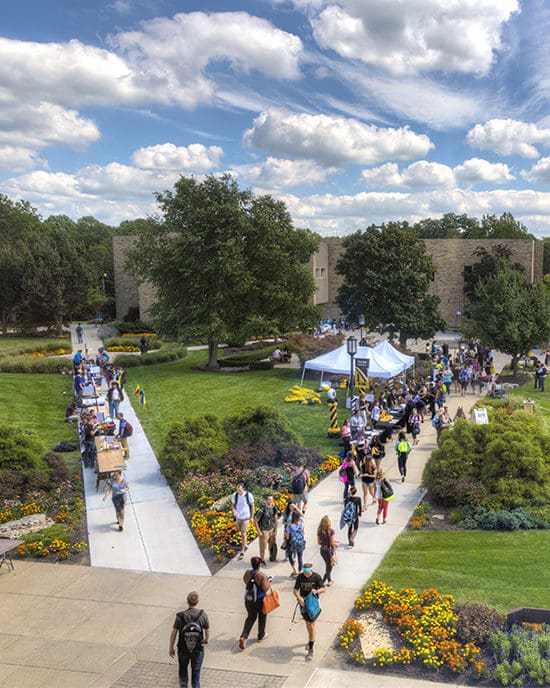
(351, 344)
(361, 320)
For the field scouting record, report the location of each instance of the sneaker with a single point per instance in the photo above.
(241, 555)
(242, 643)
(265, 635)
(309, 655)
(403, 479)
(120, 527)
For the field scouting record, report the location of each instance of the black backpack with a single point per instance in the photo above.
(191, 635)
(299, 482)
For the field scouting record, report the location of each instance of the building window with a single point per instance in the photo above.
(323, 272)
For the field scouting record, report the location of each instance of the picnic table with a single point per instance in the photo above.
(6, 546)
(109, 458)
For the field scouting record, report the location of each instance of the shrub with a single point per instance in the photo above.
(190, 446)
(515, 519)
(456, 516)
(124, 341)
(20, 450)
(522, 654)
(500, 465)
(169, 352)
(134, 327)
(256, 425)
(476, 623)
(250, 355)
(307, 346)
(59, 469)
(21, 364)
(261, 365)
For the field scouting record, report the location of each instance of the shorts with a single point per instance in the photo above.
(302, 497)
(242, 524)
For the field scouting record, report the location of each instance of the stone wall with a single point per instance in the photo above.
(450, 256)
(126, 286)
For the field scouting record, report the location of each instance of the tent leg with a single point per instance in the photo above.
(303, 374)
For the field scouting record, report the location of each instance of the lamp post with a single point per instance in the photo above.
(361, 325)
(351, 347)
(103, 278)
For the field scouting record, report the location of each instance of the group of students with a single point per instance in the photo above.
(90, 425)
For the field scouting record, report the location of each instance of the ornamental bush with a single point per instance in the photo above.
(191, 445)
(501, 465)
(169, 352)
(522, 655)
(256, 425)
(476, 623)
(20, 450)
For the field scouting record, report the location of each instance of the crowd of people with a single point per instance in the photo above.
(88, 376)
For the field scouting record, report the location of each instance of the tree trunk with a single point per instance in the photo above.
(212, 353)
(514, 364)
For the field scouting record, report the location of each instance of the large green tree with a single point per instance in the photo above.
(453, 226)
(508, 314)
(223, 261)
(387, 276)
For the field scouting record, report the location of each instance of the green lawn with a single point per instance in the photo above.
(38, 402)
(503, 570)
(175, 390)
(11, 346)
(541, 399)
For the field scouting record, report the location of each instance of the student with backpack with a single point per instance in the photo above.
(257, 585)
(193, 629)
(124, 431)
(350, 515)
(347, 473)
(325, 539)
(299, 482)
(296, 542)
(266, 521)
(307, 588)
(403, 448)
(242, 505)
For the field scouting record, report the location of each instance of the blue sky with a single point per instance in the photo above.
(351, 111)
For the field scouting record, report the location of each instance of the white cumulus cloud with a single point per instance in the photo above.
(333, 140)
(166, 156)
(280, 174)
(509, 137)
(539, 173)
(19, 159)
(421, 174)
(407, 37)
(476, 170)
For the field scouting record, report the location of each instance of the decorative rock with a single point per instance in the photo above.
(24, 526)
(439, 517)
(377, 634)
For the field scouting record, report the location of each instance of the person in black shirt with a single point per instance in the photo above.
(308, 582)
(185, 655)
(353, 527)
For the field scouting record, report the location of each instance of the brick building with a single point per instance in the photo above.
(452, 258)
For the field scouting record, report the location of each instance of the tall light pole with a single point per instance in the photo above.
(361, 325)
(351, 347)
(103, 278)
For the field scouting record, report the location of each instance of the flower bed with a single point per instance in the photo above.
(426, 623)
(60, 351)
(66, 507)
(215, 528)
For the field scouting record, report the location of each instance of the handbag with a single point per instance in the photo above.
(273, 550)
(333, 560)
(386, 490)
(271, 601)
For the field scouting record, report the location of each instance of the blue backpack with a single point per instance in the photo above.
(312, 608)
(348, 513)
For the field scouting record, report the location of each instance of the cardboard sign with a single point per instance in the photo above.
(480, 416)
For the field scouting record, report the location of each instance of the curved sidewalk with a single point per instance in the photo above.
(156, 536)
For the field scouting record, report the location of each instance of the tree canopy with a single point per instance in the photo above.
(453, 226)
(387, 276)
(224, 262)
(508, 314)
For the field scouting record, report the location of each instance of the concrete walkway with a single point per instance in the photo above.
(74, 626)
(156, 536)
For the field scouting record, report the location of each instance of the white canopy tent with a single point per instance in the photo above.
(390, 353)
(337, 362)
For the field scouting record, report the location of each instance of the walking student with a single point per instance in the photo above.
(257, 585)
(114, 396)
(383, 490)
(118, 488)
(194, 630)
(352, 514)
(300, 480)
(124, 431)
(309, 583)
(266, 520)
(403, 448)
(296, 541)
(242, 505)
(325, 539)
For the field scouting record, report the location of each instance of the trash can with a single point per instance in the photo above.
(529, 406)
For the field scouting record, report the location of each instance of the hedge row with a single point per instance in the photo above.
(156, 343)
(20, 364)
(170, 352)
(248, 356)
(134, 327)
(244, 363)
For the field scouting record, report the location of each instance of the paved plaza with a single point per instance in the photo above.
(69, 626)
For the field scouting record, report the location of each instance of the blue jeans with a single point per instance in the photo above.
(291, 558)
(196, 663)
(113, 408)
